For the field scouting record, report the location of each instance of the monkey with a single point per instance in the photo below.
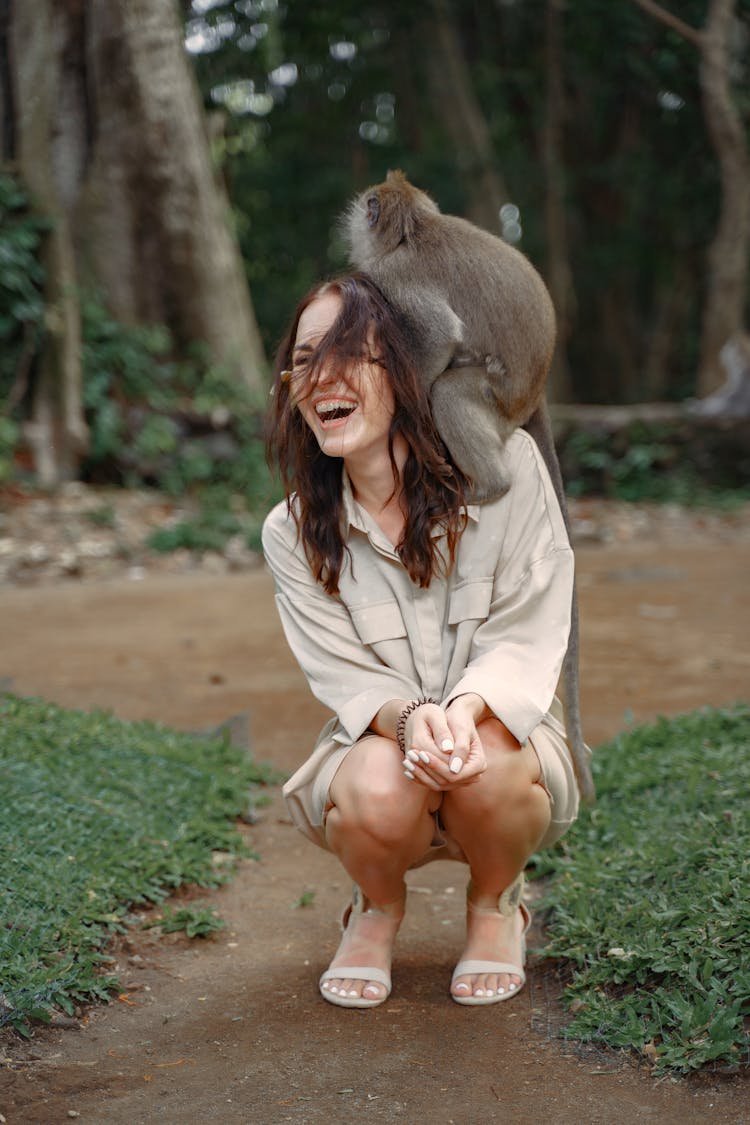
(483, 325)
(482, 318)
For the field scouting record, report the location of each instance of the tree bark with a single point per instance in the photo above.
(101, 116)
(559, 272)
(46, 99)
(459, 109)
(153, 224)
(723, 315)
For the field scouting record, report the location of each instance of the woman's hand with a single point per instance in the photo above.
(443, 749)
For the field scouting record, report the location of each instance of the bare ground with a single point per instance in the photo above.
(232, 1030)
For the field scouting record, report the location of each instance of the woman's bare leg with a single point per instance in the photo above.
(499, 822)
(378, 825)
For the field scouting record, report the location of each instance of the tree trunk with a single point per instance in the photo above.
(39, 50)
(458, 108)
(559, 273)
(101, 116)
(153, 224)
(724, 310)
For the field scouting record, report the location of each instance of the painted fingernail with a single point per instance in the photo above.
(409, 774)
(413, 755)
(424, 756)
(455, 766)
(446, 744)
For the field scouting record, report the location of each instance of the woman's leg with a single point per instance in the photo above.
(499, 822)
(378, 825)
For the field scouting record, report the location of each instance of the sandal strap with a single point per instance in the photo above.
(357, 906)
(474, 968)
(358, 972)
(508, 902)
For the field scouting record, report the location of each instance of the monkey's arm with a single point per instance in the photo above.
(436, 330)
(468, 420)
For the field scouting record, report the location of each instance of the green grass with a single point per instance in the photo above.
(651, 904)
(97, 815)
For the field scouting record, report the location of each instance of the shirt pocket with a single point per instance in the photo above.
(470, 601)
(378, 621)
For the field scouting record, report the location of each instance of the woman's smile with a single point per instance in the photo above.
(349, 411)
(333, 411)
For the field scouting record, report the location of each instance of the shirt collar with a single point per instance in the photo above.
(352, 513)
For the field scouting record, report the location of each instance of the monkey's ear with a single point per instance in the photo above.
(373, 210)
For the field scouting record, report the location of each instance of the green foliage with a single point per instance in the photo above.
(639, 172)
(152, 419)
(9, 435)
(650, 902)
(209, 531)
(649, 463)
(99, 815)
(197, 920)
(22, 307)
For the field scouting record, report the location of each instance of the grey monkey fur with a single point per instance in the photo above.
(484, 327)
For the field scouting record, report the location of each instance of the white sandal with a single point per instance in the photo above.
(507, 904)
(356, 972)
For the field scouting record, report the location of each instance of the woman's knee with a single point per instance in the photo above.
(512, 779)
(375, 798)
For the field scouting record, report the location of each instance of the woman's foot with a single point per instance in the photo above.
(367, 942)
(496, 935)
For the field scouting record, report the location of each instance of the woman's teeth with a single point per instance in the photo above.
(332, 409)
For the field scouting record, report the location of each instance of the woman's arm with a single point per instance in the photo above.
(516, 653)
(343, 672)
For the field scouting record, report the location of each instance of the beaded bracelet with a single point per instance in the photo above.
(401, 724)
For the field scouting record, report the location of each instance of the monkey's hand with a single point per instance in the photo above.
(493, 365)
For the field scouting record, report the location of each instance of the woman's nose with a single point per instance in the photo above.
(327, 375)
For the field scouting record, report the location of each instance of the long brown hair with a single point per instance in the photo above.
(433, 489)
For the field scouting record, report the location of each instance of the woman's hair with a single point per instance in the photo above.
(434, 489)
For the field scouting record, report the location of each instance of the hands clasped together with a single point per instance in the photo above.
(443, 748)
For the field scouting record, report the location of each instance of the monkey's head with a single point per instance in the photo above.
(385, 216)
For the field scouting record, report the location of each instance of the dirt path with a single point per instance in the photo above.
(232, 1031)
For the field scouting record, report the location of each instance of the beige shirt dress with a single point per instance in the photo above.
(497, 625)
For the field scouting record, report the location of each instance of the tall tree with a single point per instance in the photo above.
(108, 131)
(559, 272)
(457, 105)
(723, 317)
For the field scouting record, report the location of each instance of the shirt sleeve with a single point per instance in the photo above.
(517, 653)
(342, 671)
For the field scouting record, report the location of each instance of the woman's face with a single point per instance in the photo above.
(349, 408)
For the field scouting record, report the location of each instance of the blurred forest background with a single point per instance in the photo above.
(172, 176)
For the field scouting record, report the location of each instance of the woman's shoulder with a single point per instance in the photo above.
(279, 530)
(523, 450)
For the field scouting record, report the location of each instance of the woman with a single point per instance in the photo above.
(434, 630)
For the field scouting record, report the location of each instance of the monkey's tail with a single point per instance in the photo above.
(539, 426)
